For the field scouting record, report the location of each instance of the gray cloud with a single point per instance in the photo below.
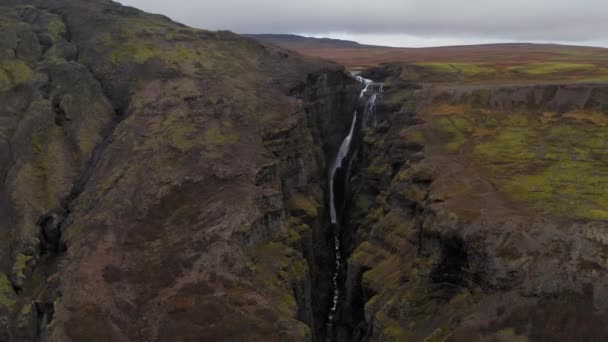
(572, 21)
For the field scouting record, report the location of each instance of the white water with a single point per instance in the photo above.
(368, 120)
(343, 152)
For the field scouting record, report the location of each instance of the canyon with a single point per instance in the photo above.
(165, 183)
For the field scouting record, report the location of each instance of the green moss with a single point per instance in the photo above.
(17, 70)
(218, 136)
(5, 81)
(14, 72)
(7, 294)
(457, 130)
(386, 274)
(464, 70)
(20, 265)
(56, 29)
(393, 331)
(379, 167)
(26, 309)
(550, 68)
(279, 269)
(554, 165)
(303, 203)
(509, 335)
(438, 335)
(182, 136)
(296, 230)
(47, 146)
(361, 253)
(137, 40)
(574, 186)
(510, 144)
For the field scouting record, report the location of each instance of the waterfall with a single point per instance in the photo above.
(344, 149)
(368, 119)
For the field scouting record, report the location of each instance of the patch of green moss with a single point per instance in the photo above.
(510, 144)
(17, 71)
(7, 294)
(303, 203)
(26, 309)
(56, 29)
(385, 275)
(363, 253)
(457, 128)
(296, 231)
(576, 186)
(378, 167)
(279, 269)
(47, 146)
(509, 335)
(20, 265)
(393, 331)
(550, 68)
(463, 69)
(137, 39)
(13, 73)
(438, 335)
(555, 165)
(5, 81)
(219, 136)
(182, 136)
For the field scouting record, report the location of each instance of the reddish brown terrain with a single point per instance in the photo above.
(354, 55)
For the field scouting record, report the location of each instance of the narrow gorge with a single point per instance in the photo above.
(339, 178)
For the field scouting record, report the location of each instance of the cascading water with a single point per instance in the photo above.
(343, 152)
(368, 119)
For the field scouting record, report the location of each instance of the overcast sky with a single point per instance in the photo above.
(400, 22)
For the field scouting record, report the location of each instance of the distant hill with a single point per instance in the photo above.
(355, 55)
(292, 41)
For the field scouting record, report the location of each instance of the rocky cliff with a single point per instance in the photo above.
(161, 182)
(479, 214)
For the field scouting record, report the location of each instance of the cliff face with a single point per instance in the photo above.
(479, 214)
(160, 182)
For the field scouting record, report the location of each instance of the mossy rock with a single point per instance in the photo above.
(8, 298)
(20, 267)
(438, 335)
(300, 204)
